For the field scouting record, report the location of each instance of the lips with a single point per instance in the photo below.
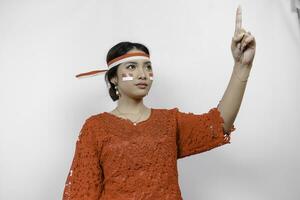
(142, 84)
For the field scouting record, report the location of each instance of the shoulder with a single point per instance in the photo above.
(96, 118)
(93, 120)
(167, 112)
(94, 124)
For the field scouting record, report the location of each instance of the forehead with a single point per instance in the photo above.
(143, 61)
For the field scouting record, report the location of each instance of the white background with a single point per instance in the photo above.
(44, 44)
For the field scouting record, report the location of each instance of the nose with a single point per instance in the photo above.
(141, 73)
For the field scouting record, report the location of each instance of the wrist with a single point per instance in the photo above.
(241, 72)
(240, 65)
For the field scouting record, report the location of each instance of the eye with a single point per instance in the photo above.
(128, 66)
(149, 67)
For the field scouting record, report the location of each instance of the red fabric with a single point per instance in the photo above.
(117, 160)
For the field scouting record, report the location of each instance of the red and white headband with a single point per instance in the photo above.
(121, 59)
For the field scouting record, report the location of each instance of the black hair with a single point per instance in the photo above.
(118, 50)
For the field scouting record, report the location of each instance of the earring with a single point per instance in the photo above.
(117, 92)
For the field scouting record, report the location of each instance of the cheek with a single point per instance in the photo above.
(127, 76)
(151, 76)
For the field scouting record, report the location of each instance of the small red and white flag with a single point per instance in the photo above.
(127, 77)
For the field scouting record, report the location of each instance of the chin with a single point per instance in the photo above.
(139, 96)
(137, 93)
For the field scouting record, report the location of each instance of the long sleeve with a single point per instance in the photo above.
(85, 178)
(198, 133)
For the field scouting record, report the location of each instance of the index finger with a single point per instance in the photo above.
(238, 20)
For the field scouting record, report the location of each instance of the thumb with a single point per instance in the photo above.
(238, 38)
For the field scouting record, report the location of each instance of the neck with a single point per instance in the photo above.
(129, 105)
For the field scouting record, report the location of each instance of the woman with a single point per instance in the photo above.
(132, 151)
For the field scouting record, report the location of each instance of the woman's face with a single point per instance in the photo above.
(131, 73)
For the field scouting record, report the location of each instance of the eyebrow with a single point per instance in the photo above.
(136, 62)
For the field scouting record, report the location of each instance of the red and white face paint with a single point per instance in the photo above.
(127, 76)
(151, 76)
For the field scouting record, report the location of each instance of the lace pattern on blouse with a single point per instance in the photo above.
(115, 160)
(198, 133)
(84, 181)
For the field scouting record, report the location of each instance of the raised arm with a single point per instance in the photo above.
(243, 47)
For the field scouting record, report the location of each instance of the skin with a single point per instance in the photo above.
(243, 48)
(131, 96)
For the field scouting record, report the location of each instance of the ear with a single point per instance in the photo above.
(114, 80)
